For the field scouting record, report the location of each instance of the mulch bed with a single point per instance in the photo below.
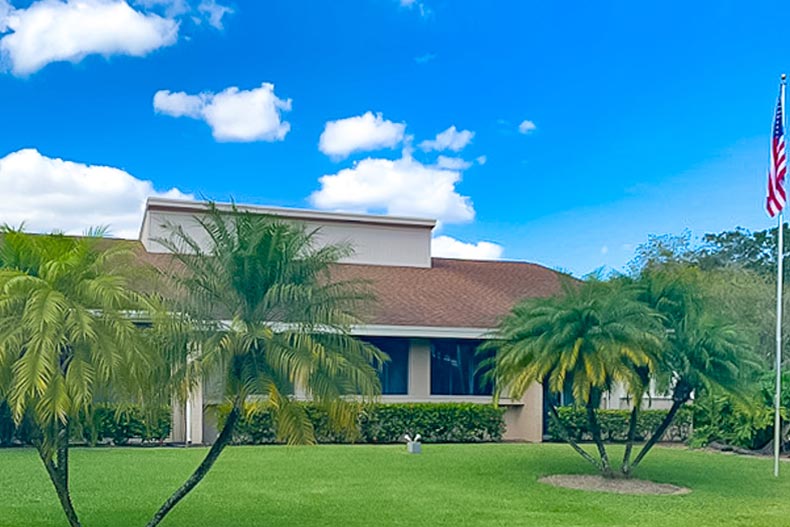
(616, 486)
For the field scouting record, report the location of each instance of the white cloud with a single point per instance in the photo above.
(53, 194)
(172, 8)
(208, 10)
(179, 104)
(214, 12)
(358, 134)
(452, 163)
(401, 187)
(5, 11)
(56, 31)
(450, 139)
(482, 160)
(448, 247)
(526, 126)
(233, 114)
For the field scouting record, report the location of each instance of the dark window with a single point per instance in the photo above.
(394, 375)
(563, 398)
(455, 368)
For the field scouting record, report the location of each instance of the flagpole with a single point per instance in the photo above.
(780, 257)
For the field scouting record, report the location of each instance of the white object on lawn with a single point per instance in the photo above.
(413, 446)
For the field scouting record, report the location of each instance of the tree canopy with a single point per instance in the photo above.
(259, 304)
(66, 339)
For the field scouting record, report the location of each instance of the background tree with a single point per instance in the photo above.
(736, 278)
(738, 423)
(705, 352)
(742, 248)
(593, 335)
(737, 275)
(65, 338)
(285, 323)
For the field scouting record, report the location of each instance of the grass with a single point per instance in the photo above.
(458, 485)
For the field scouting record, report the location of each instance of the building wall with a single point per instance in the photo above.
(190, 417)
(374, 240)
(523, 417)
(618, 399)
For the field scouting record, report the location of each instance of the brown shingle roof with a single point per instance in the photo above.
(451, 293)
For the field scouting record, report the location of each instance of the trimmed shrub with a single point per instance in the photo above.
(120, 425)
(722, 419)
(7, 428)
(382, 423)
(103, 424)
(436, 422)
(614, 424)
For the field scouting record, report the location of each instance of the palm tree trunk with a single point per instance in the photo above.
(595, 430)
(63, 455)
(659, 433)
(58, 472)
(569, 438)
(629, 445)
(197, 476)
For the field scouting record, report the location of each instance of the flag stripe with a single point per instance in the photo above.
(777, 197)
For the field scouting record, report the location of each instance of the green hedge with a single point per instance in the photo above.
(614, 424)
(120, 426)
(105, 423)
(383, 423)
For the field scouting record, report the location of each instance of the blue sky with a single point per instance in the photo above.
(645, 119)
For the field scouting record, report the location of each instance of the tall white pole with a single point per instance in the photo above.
(780, 257)
(778, 395)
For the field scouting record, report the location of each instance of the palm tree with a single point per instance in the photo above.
(64, 337)
(594, 335)
(705, 350)
(263, 308)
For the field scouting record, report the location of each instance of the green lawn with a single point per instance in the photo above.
(382, 485)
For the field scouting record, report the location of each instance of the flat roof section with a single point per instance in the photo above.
(196, 207)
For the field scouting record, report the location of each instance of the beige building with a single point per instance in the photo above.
(430, 314)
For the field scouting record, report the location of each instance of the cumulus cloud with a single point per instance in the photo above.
(214, 12)
(452, 163)
(448, 247)
(208, 10)
(481, 160)
(172, 8)
(53, 194)
(359, 134)
(179, 104)
(5, 11)
(450, 139)
(526, 126)
(403, 187)
(233, 114)
(67, 31)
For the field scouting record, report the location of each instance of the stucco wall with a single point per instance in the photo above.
(374, 244)
(524, 422)
(523, 418)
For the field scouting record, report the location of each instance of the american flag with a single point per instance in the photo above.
(775, 201)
